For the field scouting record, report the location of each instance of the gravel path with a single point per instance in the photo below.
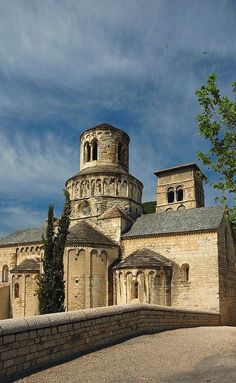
(199, 355)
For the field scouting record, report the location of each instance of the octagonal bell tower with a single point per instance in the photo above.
(104, 146)
(104, 180)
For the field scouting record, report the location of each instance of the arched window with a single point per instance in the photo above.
(181, 207)
(119, 152)
(87, 152)
(179, 193)
(94, 150)
(170, 195)
(184, 272)
(169, 210)
(5, 273)
(16, 290)
(135, 290)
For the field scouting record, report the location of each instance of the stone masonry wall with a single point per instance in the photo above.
(200, 252)
(4, 300)
(193, 194)
(12, 256)
(30, 343)
(86, 276)
(108, 140)
(227, 274)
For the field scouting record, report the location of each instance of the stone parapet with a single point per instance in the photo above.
(32, 343)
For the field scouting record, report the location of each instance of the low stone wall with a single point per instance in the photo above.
(35, 342)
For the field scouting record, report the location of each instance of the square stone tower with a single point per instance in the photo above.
(180, 187)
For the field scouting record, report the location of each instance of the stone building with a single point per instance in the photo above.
(183, 255)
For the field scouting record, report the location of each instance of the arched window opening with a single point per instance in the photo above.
(170, 195)
(87, 152)
(16, 290)
(119, 152)
(181, 207)
(135, 290)
(5, 273)
(169, 210)
(184, 271)
(179, 194)
(95, 150)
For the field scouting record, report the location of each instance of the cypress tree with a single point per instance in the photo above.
(46, 279)
(51, 282)
(58, 296)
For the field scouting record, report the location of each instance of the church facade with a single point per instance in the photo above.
(183, 255)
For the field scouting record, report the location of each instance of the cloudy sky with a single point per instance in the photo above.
(67, 65)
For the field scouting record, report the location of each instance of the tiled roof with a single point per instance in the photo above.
(83, 233)
(104, 170)
(183, 221)
(105, 126)
(24, 236)
(115, 212)
(29, 265)
(144, 258)
(191, 165)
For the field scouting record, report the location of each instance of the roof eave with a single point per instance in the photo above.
(21, 243)
(170, 233)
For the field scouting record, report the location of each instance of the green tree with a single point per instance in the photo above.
(58, 296)
(46, 279)
(217, 123)
(51, 282)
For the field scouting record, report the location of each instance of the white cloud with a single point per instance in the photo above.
(18, 216)
(93, 48)
(81, 61)
(34, 167)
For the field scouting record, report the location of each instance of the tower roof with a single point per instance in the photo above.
(191, 165)
(105, 126)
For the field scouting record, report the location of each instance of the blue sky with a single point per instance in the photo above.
(67, 65)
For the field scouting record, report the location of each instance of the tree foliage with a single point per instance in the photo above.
(51, 282)
(46, 279)
(217, 123)
(149, 207)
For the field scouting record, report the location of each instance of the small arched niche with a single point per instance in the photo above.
(16, 290)
(184, 272)
(135, 290)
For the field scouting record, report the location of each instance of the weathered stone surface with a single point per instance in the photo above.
(185, 258)
(70, 336)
